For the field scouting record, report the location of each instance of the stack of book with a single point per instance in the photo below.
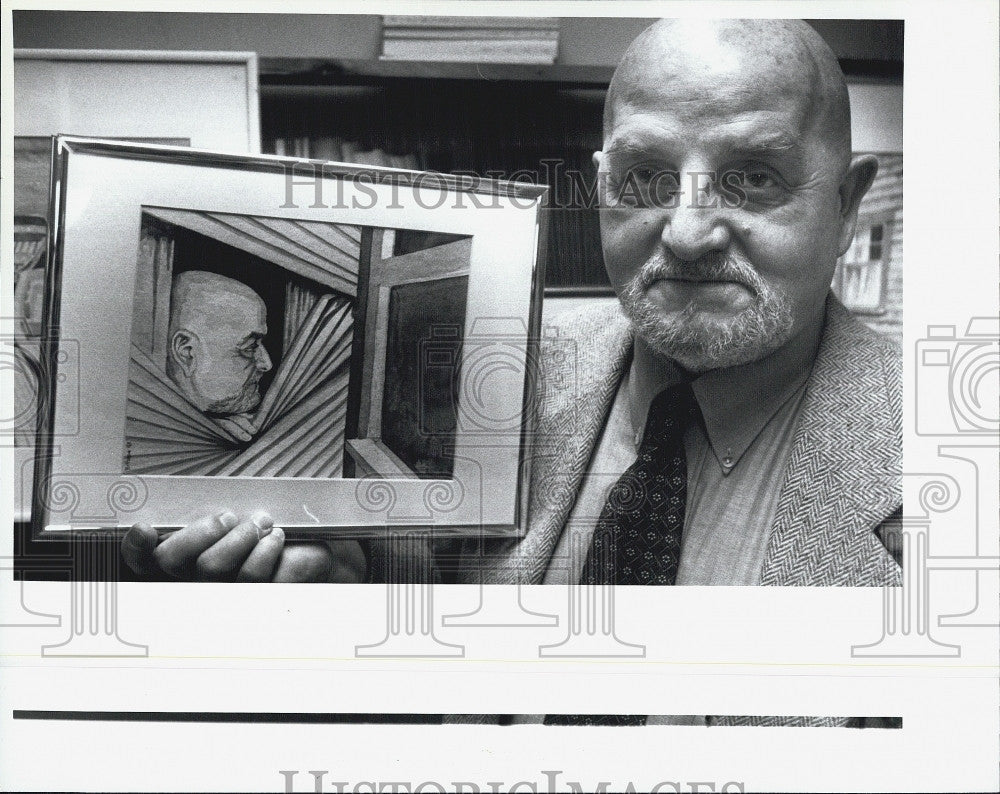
(330, 148)
(441, 39)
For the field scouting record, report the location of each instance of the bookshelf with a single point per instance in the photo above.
(537, 131)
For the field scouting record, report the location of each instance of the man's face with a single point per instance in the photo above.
(229, 356)
(723, 218)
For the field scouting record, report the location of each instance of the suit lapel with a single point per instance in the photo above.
(844, 472)
(579, 373)
(843, 476)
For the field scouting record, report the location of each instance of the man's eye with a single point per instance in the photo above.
(643, 173)
(758, 178)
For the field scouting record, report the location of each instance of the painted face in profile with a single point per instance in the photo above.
(216, 355)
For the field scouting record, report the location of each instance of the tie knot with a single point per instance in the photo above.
(670, 412)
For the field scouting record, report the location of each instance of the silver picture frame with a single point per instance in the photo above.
(398, 317)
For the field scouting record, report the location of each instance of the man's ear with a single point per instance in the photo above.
(182, 350)
(598, 158)
(859, 177)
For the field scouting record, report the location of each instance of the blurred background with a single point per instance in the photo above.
(518, 97)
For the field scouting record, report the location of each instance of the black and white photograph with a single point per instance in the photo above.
(241, 356)
(550, 396)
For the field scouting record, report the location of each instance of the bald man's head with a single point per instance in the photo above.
(196, 295)
(729, 187)
(787, 57)
(215, 350)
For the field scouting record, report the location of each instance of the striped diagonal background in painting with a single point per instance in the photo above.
(298, 429)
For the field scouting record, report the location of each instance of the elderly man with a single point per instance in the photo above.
(215, 342)
(732, 425)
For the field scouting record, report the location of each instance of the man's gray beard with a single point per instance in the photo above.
(698, 344)
(242, 403)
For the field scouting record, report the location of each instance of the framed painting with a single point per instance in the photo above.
(351, 347)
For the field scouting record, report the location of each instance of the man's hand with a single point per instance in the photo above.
(221, 548)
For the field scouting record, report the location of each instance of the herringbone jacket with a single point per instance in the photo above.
(842, 486)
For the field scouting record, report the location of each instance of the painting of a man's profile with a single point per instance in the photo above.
(267, 347)
(215, 350)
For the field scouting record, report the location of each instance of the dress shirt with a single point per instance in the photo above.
(736, 459)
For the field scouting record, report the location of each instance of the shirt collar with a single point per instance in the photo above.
(736, 403)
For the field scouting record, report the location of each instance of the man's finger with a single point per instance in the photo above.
(222, 560)
(304, 562)
(139, 549)
(259, 566)
(177, 554)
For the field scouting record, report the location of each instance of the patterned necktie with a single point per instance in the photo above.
(638, 536)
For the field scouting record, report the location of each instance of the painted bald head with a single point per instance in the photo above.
(215, 350)
(786, 56)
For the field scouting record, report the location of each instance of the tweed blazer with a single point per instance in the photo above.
(842, 484)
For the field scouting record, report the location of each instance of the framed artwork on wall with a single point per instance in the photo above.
(199, 99)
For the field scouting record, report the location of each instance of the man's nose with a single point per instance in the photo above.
(262, 360)
(697, 225)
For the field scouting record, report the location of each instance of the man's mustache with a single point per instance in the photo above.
(712, 267)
